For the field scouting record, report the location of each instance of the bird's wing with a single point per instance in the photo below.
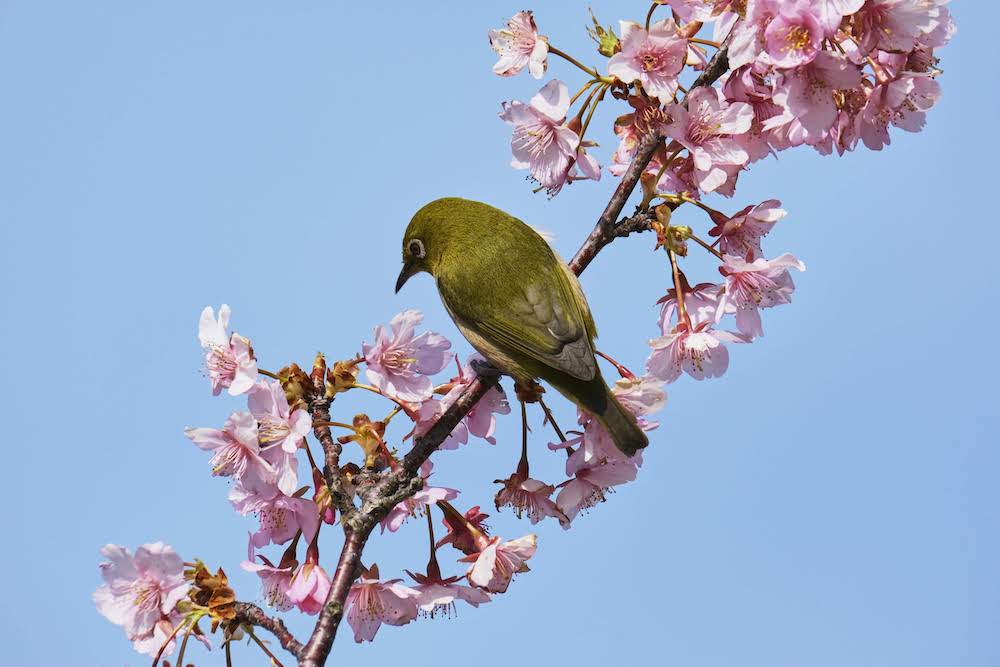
(542, 321)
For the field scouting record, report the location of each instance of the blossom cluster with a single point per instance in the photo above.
(830, 74)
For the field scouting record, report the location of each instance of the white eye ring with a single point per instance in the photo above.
(416, 248)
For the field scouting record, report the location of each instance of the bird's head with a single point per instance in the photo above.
(429, 235)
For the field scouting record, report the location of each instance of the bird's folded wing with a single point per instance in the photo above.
(544, 322)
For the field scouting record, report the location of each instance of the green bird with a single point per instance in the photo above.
(516, 302)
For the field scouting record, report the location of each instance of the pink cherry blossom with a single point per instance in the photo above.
(653, 58)
(281, 431)
(741, 233)
(481, 420)
(700, 352)
(896, 25)
(281, 516)
(437, 595)
(228, 358)
(903, 103)
(832, 12)
(414, 506)
(794, 36)
(753, 85)
(371, 602)
(640, 395)
(702, 11)
(589, 485)
(700, 301)
(236, 451)
(762, 283)
(494, 566)
(519, 45)
(309, 588)
(709, 129)
(274, 580)
(807, 96)
(141, 592)
(527, 496)
(399, 361)
(542, 142)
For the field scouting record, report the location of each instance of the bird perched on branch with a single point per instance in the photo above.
(516, 302)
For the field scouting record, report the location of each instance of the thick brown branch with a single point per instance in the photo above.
(251, 614)
(331, 458)
(318, 648)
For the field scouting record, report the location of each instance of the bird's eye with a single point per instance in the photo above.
(416, 249)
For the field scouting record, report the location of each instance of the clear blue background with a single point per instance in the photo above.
(832, 501)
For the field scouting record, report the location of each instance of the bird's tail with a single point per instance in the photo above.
(622, 426)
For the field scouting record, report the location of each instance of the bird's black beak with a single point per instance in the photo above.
(408, 270)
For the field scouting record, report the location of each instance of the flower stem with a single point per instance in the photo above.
(337, 424)
(187, 636)
(600, 97)
(565, 56)
(624, 372)
(682, 314)
(706, 42)
(229, 656)
(707, 246)
(551, 420)
(376, 390)
(649, 14)
(522, 465)
(582, 90)
(268, 374)
(169, 639)
(274, 660)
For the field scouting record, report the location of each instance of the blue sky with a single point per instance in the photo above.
(831, 501)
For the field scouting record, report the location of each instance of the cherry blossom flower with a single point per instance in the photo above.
(751, 84)
(437, 595)
(236, 451)
(702, 11)
(903, 103)
(519, 45)
(742, 232)
(414, 505)
(280, 515)
(527, 496)
(807, 95)
(653, 58)
(896, 25)
(371, 602)
(794, 36)
(709, 128)
(459, 535)
(140, 593)
(228, 358)
(762, 283)
(700, 301)
(589, 485)
(281, 431)
(481, 420)
(542, 142)
(274, 580)
(832, 12)
(699, 351)
(399, 362)
(640, 395)
(309, 588)
(496, 564)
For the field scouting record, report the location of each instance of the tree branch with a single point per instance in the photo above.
(397, 485)
(251, 614)
(331, 458)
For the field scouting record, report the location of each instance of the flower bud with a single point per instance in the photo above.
(608, 43)
(297, 385)
(318, 372)
(341, 377)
